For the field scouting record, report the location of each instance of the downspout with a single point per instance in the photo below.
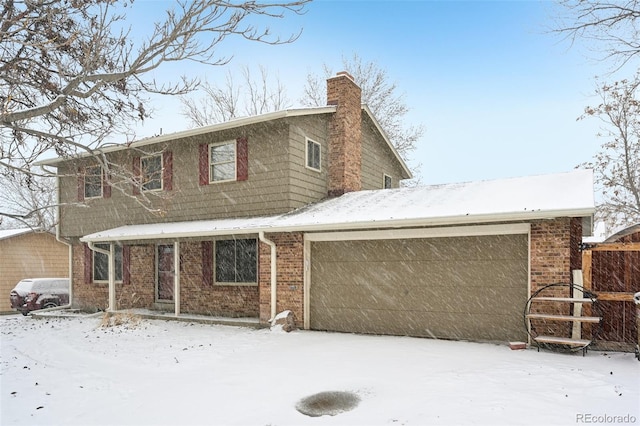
(274, 296)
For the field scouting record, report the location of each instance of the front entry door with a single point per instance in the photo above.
(166, 272)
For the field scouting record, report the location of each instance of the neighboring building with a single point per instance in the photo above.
(25, 253)
(294, 201)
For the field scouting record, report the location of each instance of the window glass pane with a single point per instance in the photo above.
(236, 261)
(151, 172)
(222, 162)
(93, 182)
(225, 261)
(223, 153)
(101, 263)
(246, 261)
(313, 155)
(387, 182)
(223, 171)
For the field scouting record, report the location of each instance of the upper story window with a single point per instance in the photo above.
(151, 172)
(93, 182)
(313, 155)
(236, 261)
(387, 182)
(222, 161)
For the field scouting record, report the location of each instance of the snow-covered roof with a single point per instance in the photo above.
(525, 198)
(239, 122)
(10, 233)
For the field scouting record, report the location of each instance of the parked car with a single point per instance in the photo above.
(38, 293)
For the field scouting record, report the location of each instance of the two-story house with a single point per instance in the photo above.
(302, 210)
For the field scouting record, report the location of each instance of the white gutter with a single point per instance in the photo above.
(273, 226)
(274, 286)
(112, 272)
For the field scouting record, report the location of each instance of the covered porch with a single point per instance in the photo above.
(209, 268)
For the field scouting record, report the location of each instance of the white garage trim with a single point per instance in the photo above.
(388, 234)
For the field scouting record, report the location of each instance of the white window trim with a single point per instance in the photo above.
(235, 161)
(306, 155)
(384, 179)
(142, 174)
(241, 284)
(84, 185)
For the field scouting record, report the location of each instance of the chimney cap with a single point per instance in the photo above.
(346, 74)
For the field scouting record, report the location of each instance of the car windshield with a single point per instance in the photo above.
(24, 287)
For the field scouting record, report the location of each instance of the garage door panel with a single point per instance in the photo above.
(461, 273)
(455, 287)
(441, 325)
(437, 249)
(436, 299)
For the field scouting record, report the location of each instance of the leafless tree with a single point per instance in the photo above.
(617, 165)
(612, 28)
(72, 75)
(222, 102)
(379, 93)
(28, 200)
(238, 96)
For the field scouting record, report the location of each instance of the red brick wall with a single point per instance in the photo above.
(345, 138)
(290, 276)
(87, 296)
(196, 296)
(550, 252)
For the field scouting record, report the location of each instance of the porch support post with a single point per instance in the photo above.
(112, 278)
(176, 277)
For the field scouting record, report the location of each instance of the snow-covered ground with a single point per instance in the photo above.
(71, 371)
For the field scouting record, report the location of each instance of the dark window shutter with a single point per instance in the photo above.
(207, 263)
(167, 170)
(106, 184)
(126, 265)
(242, 158)
(203, 163)
(87, 264)
(136, 175)
(80, 184)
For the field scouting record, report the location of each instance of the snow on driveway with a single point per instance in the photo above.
(71, 371)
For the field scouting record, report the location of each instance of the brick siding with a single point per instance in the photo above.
(196, 296)
(289, 277)
(345, 137)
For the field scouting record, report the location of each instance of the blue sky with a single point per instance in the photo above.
(497, 93)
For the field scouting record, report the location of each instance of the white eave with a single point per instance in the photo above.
(506, 200)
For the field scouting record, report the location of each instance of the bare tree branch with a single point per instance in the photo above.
(617, 165)
(72, 76)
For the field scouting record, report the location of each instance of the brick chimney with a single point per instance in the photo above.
(345, 135)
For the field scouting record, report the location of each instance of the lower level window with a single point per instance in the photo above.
(101, 263)
(236, 261)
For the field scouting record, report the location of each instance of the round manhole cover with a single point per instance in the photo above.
(327, 403)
